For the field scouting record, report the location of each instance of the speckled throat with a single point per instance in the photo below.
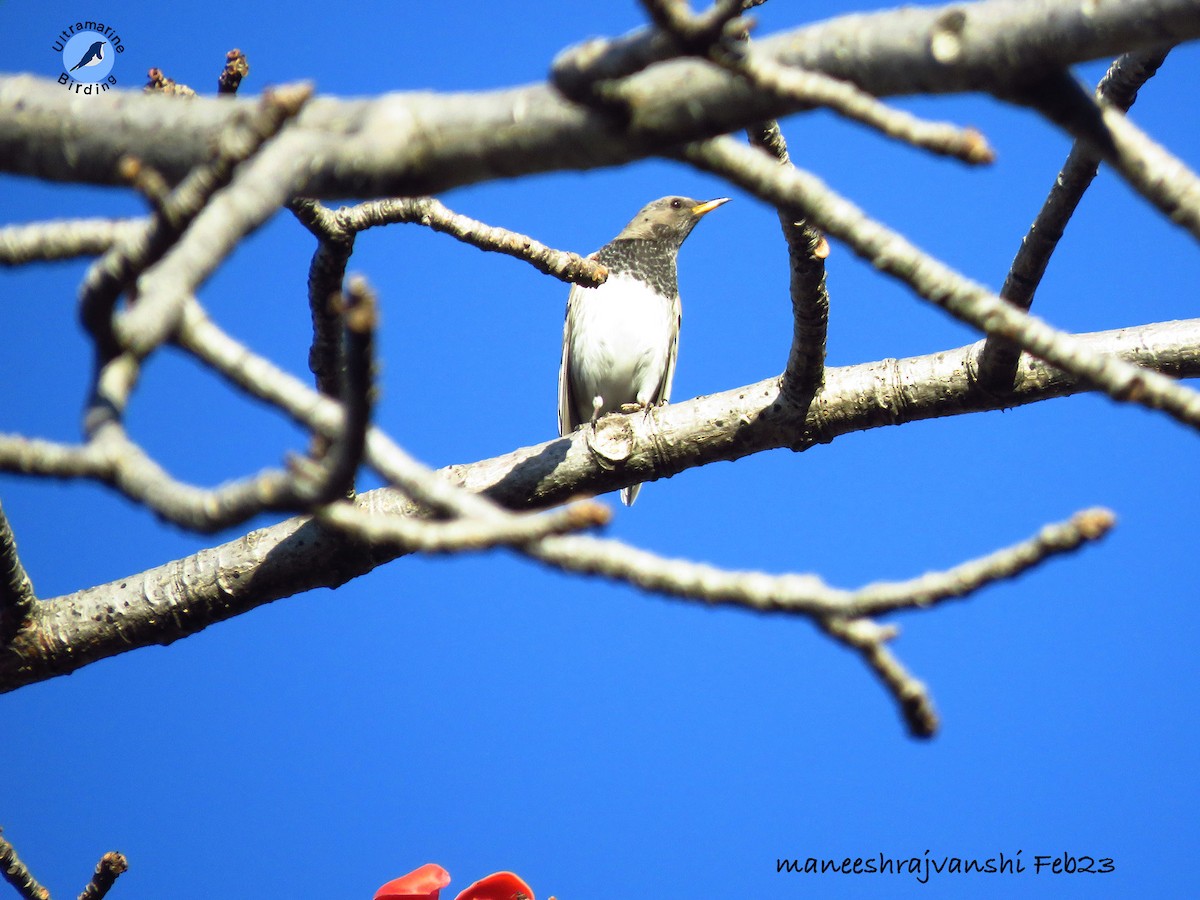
(647, 260)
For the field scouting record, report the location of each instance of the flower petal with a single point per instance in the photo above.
(498, 886)
(423, 883)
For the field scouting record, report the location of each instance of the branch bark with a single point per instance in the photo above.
(421, 143)
(163, 604)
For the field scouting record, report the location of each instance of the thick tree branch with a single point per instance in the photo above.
(422, 143)
(299, 555)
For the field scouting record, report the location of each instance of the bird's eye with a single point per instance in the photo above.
(675, 204)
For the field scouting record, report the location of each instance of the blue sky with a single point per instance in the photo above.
(486, 713)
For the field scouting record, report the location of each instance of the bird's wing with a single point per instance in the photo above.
(566, 403)
(664, 389)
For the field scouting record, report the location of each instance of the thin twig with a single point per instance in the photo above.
(17, 598)
(260, 378)
(35, 456)
(236, 68)
(326, 272)
(359, 314)
(63, 239)
(402, 534)
(818, 89)
(111, 866)
(190, 232)
(16, 873)
(112, 458)
(696, 33)
(257, 176)
(158, 83)
(136, 475)
(138, 250)
(427, 211)
(807, 594)
(807, 249)
(964, 299)
(869, 639)
(1118, 87)
(1162, 179)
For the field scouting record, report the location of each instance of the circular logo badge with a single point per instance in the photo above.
(88, 57)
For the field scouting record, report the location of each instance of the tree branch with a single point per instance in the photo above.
(807, 248)
(62, 239)
(422, 143)
(17, 599)
(298, 555)
(111, 866)
(16, 874)
(932, 280)
(1150, 169)
(1119, 86)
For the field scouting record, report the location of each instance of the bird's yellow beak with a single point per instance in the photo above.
(708, 206)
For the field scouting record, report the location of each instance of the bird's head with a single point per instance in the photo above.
(668, 219)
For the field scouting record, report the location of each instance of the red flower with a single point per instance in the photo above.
(498, 886)
(424, 883)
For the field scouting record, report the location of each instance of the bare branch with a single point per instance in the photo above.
(255, 192)
(33, 456)
(807, 594)
(17, 598)
(132, 472)
(1119, 87)
(423, 143)
(236, 68)
(401, 534)
(807, 249)
(966, 300)
(16, 874)
(326, 272)
(869, 639)
(158, 83)
(63, 239)
(295, 555)
(111, 866)
(427, 211)
(335, 472)
(843, 98)
(1150, 169)
(140, 249)
(336, 231)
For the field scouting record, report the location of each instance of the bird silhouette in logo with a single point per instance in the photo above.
(93, 57)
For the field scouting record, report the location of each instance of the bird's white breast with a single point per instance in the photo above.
(621, 338)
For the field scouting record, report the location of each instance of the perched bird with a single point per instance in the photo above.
(93, 57)
(621, 338)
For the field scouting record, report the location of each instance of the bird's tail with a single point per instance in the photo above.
(629, 494)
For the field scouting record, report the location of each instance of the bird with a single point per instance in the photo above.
(621, 339)
(93, 57)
